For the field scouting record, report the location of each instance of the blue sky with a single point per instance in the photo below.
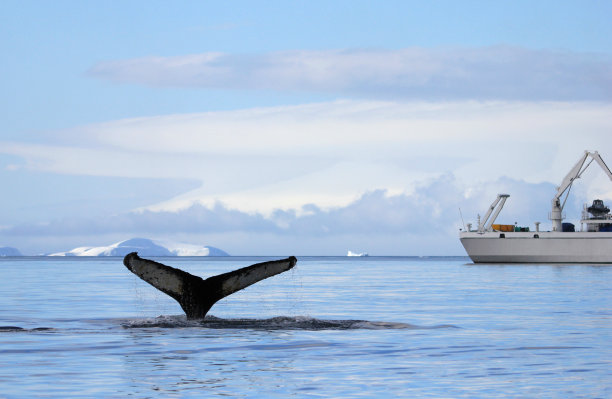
(294, 127)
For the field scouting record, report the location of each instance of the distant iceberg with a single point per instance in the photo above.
(145, 247)
(351, 253)
(9, 251)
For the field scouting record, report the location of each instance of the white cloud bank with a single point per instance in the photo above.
(488, 73)
(425, 222)
(329, 154)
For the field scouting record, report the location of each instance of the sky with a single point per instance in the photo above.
(296, 128)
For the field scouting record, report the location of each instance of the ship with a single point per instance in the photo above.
(591, 242)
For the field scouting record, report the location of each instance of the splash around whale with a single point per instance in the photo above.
(304, 323)
(196, 295)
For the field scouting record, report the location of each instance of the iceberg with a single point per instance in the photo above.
(351, 253)
(145, 247)
(182, 249)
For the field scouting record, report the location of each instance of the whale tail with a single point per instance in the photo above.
(196, 295)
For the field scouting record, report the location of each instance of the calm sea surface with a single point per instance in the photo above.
(331, 327)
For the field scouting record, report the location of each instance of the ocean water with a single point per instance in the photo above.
(331, 327)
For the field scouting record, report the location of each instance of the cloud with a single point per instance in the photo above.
(486, 73)
(327, 154)
(431, 209)
(423, 222)
(195, 219)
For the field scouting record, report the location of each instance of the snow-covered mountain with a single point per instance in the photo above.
(145, 247)
(9, 251)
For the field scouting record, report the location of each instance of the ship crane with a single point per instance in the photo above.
(486, 223)
(556, 215)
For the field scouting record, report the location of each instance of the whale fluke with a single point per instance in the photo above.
(196, 295)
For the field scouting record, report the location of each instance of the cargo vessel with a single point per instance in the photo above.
(591, 242)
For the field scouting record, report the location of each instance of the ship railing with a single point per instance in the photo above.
(597, 219)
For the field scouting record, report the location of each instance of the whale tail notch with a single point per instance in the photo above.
(196, 295)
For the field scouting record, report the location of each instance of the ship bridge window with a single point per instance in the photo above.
(502, 235)
(536, 236)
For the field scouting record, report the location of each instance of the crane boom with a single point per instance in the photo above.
(601, 163)
(484, 225)
(572, 175)
(556, 215)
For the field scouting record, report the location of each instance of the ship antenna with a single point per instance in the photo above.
(461, 214)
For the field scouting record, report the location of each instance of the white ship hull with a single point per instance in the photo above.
(549, 247)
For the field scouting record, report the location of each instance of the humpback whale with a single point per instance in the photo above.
(196, 295)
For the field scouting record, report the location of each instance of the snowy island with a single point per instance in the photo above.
(145, 247)
(9, 251)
